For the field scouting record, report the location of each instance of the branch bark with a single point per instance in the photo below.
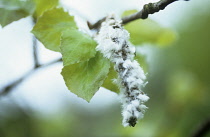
(149, 8)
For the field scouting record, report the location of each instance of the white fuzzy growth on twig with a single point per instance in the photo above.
(113, 44)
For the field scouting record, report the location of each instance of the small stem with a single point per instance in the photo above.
(35, 48)
(35, 53)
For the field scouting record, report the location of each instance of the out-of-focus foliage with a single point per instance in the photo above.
(85, 78)
(50, 25)
(149, 31)
(76, 47)
(181, 79)
(13, 10)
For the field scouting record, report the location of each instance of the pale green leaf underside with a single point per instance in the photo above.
(149, 31)
(85, 78)
(50, 25)
(76, 47)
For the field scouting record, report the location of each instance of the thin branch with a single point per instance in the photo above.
(202, 130)
(12, 85)
(35, 53)
(149, 8)
(97, 25)
(35, 49)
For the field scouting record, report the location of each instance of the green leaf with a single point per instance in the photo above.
(108, 83)
(13, 10)
(85, 78)
(149, 31)
(44, 5)
(50, 25)
(76, 47)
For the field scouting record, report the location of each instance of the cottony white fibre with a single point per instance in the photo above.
(113, 44)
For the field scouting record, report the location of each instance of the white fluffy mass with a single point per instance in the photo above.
(113, 44)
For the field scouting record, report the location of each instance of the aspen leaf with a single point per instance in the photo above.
(50, 25)
(76, 47)
(85, 78)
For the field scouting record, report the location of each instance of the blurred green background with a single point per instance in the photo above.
(178, 87)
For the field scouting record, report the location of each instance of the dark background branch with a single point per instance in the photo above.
(12, 85)
(202, 130)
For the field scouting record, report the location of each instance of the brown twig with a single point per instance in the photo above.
(149, 8)
(97, 25)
